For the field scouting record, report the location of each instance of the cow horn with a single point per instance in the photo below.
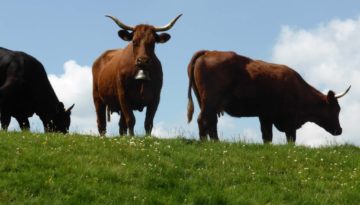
(121, 24)
(70, 108)
(342, 94)
(169, 25)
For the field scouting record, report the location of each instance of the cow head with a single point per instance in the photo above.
(61, 121)
(329, 117)
(143, 38)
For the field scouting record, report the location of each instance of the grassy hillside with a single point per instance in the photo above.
(72, 169)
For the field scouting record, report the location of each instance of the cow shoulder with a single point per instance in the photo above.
(105, 58)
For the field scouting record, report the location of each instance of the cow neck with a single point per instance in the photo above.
(127, 56)
(46, 108)
(313, 102)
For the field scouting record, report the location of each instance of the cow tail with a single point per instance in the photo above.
(190, 107)
(108, 113)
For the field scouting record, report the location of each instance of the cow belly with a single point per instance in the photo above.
(287, 122)
(138, 95)
(244, 111)
(141, 94)
(139, 103)
(114, 106)
(243, 108)
(133, 103)
(18, 109)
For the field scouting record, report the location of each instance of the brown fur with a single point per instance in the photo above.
(114, 85)
(242, 87)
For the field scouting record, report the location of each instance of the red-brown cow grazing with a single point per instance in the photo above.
(25, 90)
(131, 78)
(242, 87)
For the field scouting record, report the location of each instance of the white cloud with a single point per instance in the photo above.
(163, 130)
(328, 57)
(74, 86)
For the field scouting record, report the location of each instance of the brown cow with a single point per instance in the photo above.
(131, 78)
(242, 87)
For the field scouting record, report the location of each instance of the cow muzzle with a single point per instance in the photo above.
(337, 132)
(142, 62)
(142, 75)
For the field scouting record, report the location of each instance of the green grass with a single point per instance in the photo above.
(76, 169)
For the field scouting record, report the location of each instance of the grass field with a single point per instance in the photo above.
(77, 169)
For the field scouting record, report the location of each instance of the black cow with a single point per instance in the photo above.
(25, 90)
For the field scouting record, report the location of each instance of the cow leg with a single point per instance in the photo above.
(266, 129)
(207, 122)
(5, 121)
(291, 136)
(101, 117)
(46, 125)
(122, 125)
(130, 122)
(212, 130)
(202, 127)
(23, 123)
(150, 114)
(128, 114)
(9, 86)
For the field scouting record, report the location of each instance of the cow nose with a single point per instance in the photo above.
(338, 132)
(142, 61)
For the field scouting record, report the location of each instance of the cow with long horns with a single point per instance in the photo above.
(130, 79)
(242, 87)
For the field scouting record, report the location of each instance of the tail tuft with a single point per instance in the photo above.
(108, 113)
(190, 109)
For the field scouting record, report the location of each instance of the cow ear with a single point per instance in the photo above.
(125, 35)
(331, 96)
(163, 38)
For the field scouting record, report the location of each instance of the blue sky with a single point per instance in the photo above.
(58, 31)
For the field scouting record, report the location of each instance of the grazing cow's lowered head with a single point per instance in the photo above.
(143, 38)
(61, 120)
(329, 113)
